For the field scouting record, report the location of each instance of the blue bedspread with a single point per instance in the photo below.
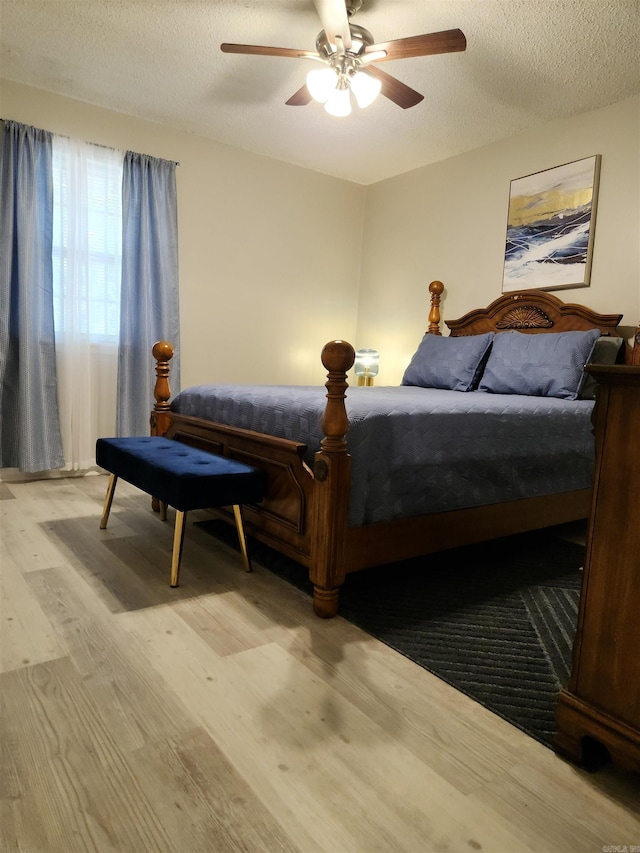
(421, 450)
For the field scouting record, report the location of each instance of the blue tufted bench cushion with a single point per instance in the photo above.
(180, 476)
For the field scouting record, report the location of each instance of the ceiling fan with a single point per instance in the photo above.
(348, 53)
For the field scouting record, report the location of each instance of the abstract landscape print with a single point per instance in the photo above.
(550, 227)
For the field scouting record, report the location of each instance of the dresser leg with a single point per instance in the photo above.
(590, 738)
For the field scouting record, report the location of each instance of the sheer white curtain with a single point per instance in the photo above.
(87, 266)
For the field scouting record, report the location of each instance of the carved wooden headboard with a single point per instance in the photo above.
(533, 311)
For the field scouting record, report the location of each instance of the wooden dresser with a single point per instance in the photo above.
(601, 705)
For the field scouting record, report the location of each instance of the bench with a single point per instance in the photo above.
(180, 476)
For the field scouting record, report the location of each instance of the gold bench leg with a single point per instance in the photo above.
(106, 509)
(178, 538)
(237, 513)
(178, 532)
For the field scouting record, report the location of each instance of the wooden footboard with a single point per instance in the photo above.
(304, 513)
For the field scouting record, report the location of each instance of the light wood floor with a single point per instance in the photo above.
(223, 716)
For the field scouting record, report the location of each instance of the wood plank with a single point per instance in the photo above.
(78, 778)
(136, 705)
(24, 538)
(26, 635)
(569, 798)
(5, 493)
(201, 800)
(109, 563)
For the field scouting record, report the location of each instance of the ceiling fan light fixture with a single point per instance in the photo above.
(365, 88)
(339, 102)
(321, 83)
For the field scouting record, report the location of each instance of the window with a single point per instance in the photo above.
(87, 271)
(87, 241)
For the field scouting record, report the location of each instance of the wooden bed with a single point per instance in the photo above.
(304, 513)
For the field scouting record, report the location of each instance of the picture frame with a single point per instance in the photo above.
(550, 227)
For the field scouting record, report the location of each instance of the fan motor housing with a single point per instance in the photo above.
(358, 34)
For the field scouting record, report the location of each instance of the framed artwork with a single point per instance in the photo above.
(550, 227)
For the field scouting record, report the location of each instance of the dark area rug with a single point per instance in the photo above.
(496, 620)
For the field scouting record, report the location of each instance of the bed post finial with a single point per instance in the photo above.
(163, 353)
(436, 289)
(338, 357)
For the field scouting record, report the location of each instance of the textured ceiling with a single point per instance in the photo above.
(527, 62)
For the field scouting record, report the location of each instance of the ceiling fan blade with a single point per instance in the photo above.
(335, 21)
(300, 98)
(447, 41)
(401, 94)
(260, 50)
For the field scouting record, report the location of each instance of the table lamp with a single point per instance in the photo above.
(367, 364)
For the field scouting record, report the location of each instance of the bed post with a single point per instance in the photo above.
(332, 469)
(435, 289)
(163, 353)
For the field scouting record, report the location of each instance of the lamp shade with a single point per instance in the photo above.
(339, 102)
(365, 88)
(321, 83)
(367, 362)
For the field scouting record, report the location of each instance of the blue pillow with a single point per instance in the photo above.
(452, 363)
(604, 351)
(541, 365)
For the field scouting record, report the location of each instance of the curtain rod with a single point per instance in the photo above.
(99, 145)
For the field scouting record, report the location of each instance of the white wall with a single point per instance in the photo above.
(268, 273)
(447, 221)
